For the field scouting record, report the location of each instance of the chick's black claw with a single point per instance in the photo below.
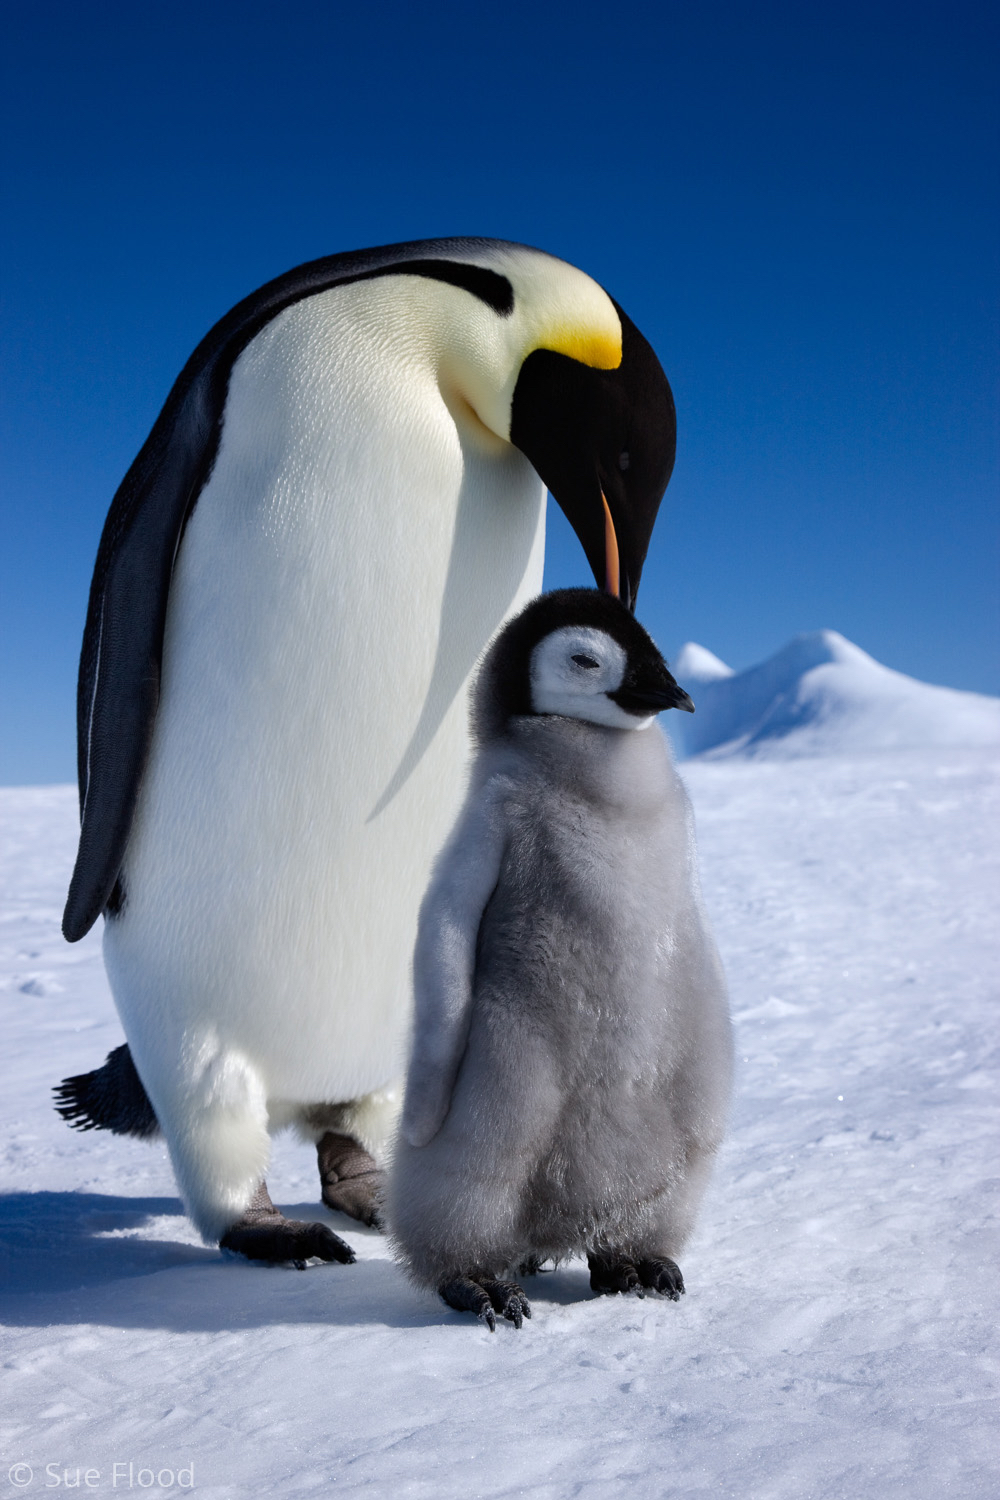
(508, 1299)
(486, 1296)
(664, 1276)
(613, 1273)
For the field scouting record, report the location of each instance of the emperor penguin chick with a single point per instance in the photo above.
(571, 1062)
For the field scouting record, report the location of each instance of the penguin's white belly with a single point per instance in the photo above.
(345, 565)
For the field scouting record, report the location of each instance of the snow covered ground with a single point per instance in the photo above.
(837, 1339)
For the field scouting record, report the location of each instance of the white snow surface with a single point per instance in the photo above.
(837, 1339)
(820, 695)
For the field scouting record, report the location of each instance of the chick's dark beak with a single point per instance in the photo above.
(636, 700)
(649, 688)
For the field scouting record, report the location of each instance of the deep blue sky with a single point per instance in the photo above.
(798, 206)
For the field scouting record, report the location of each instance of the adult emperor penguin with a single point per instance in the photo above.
(571, 1059)
(340, 503)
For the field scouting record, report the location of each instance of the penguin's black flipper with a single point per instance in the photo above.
(485, 1296)
(112, 1097)
(118, 688)
(264, 1234)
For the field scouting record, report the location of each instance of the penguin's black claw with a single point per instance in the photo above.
(613, 1273)
(264, 1234)
(485, 1296)
(358, 1199)
(350, 1181)
(289, 1241)
(466, 1295)
(616, 1273)
(662, 1275)
(508, 1299)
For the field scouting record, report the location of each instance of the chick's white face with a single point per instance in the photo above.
(572, 672)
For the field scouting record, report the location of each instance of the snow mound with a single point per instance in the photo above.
(696, 664)
(821, 695)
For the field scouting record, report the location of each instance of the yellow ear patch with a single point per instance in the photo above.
(599, 348)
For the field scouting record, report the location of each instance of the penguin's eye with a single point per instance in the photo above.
(623, 460)
(585, 661)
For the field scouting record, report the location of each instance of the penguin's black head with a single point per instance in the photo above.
(591, 432)
(578, 653)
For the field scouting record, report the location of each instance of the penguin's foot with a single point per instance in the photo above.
(616, 1273)
(351, 1182)
(662, 1275)
(485, 1296)
(613, 1273)
(263, 1233)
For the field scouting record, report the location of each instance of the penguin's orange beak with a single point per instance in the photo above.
(612, 574)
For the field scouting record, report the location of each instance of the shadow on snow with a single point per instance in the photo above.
(69, 1258)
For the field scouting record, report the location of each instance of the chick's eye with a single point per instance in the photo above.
(586, 661)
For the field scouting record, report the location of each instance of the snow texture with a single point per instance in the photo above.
(820, 695)
(837, 1340)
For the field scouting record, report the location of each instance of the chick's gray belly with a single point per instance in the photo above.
(562, 1068)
